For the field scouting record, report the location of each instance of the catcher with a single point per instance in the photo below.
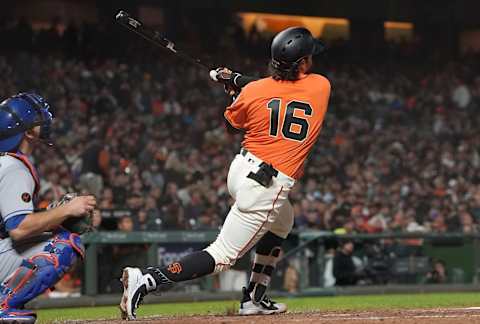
(36, 247)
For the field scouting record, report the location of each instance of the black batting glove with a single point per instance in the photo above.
(228, 78)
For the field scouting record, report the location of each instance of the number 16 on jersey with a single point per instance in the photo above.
(301, 131)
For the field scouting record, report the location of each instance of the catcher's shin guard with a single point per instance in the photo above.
(41, 271)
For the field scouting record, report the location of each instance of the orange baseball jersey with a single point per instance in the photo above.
(281, 119)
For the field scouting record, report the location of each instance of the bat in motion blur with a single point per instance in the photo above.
(154, 37)
(232, 82)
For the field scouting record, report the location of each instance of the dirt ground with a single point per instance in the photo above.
(437, 316)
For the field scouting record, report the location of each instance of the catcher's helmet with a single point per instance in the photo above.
(20, 113)
(291, 45)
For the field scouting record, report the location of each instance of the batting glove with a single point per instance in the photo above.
(228, 78)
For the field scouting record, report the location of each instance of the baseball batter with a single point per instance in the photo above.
(281, 116)
(35, 252)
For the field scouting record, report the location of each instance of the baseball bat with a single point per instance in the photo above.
(154, 37)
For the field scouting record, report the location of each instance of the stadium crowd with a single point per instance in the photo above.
(398, 152)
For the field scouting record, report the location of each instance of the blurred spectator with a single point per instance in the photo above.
(141, 223)
(96, 219)
(125, 224)
(344, 269)
(328, 275)
(291, 278)
(461, 96)
(438, 274)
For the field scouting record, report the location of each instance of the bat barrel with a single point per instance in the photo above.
(121, 15)
(153, 36)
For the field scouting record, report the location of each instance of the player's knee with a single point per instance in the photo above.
(59, 256)
(283, 227)
(269, 244)
(62, 251)
(289, 226)
(282, 230)
(66, 245)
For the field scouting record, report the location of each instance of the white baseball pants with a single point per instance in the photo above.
(256, 211)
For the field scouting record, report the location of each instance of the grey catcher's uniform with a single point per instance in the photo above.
(17, 187)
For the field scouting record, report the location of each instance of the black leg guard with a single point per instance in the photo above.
(195, 265)
(266, 257)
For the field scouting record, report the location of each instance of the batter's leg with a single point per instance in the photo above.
(254, 299)
(242, 229)
(267, 254)
(240, 232)
(253, 213)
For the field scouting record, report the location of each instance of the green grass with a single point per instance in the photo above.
(294, 304)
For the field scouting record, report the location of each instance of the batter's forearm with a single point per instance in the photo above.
(39, 222)
(242, 80)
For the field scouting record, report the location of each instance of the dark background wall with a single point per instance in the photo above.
(438, 23)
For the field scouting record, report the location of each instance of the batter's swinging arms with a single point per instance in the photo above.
(281, 116)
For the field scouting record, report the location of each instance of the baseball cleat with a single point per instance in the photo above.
(134, 289)
(265, 307)
(17, 316)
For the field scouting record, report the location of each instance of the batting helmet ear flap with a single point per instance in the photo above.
(319, 47)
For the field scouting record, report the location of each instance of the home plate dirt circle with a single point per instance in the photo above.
(420, 316)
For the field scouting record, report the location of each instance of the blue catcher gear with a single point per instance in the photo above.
(17, 316)
(20, 113)
(39, 273)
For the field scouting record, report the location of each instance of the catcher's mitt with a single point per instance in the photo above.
(78, 225)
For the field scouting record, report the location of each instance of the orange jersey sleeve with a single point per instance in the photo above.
(281, 119)
(236, 113)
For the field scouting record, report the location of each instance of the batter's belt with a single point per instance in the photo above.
(265, 171)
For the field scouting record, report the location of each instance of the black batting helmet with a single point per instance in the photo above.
(291, 45)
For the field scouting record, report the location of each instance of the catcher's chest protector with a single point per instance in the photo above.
(30, 168)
